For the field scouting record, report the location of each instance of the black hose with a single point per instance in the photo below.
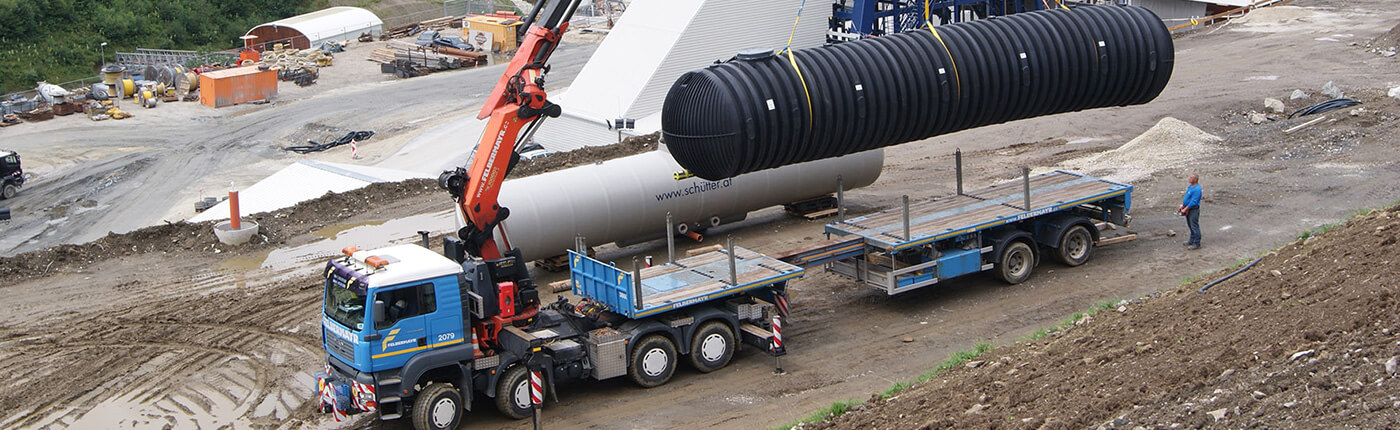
(759, 111)
(314, 146)
(1242, 269)
(1326, 106)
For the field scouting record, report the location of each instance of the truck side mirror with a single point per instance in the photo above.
(378, 312)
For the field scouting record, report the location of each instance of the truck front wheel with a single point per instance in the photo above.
(1017, 262)
(513, 393)
(653, 361)
(9, 192)
(712, 347)
(439, 407)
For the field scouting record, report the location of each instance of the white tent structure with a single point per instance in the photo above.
(305, 180)
(653, 44)
(311, 29)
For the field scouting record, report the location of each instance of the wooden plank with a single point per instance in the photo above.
(755, 331)
(820, 214)
(1116, 239)
(705, 250)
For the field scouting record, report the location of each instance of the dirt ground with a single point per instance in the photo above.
(202, 336)
(1307, 338)
(92, 178)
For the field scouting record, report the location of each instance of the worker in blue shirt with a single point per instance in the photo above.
(1191, 209)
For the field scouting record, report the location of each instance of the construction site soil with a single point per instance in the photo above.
(161, 328)
(274, 228)
(1307, 338)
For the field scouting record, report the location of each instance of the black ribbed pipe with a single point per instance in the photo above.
(752, 113)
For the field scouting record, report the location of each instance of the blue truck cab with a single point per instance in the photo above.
(381, 310)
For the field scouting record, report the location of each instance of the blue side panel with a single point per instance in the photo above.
(602, 282)
(959, 262)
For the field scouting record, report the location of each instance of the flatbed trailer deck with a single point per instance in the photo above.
(657, 289)
(918, 244)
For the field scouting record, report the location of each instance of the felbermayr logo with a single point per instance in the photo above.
(696, 187)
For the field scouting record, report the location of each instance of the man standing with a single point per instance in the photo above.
(1191, 209)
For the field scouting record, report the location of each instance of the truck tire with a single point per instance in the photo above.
(653, 361)
(9, 192)
(712, 347)
(1016, 263)
(513, 393)
(1075, 246)
(439, 407)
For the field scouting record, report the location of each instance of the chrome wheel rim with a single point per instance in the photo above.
(654, 362)
(712, 348)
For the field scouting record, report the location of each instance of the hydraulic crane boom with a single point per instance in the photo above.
(518, 102)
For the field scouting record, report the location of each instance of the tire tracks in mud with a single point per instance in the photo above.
(202, 352)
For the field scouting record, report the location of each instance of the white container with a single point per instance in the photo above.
(229, 236)
(625, 200)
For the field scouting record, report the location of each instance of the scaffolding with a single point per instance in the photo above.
(855, 19)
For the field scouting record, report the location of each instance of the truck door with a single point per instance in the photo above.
(446, 326)
(403, 330)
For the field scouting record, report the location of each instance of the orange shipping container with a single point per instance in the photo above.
(229, 87)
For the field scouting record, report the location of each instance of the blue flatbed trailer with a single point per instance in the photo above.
(1059, 213)
(685, 282)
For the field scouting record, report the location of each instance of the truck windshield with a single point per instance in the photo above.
(345, 307)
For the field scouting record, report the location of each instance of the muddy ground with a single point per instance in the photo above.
(205, 337)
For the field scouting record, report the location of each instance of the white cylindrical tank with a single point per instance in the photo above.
(626, 199)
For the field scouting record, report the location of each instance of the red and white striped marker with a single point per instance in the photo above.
(777, 333)
(354, 152)
(536, 397)
(476, 348)
(777, 344)
(782, 304)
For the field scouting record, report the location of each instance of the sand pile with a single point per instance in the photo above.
(1169, 144)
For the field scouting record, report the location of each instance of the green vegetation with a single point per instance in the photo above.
(1068, 322)
(958, 358)
(835, 410)
(57, 40)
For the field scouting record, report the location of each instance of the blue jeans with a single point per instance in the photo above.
(1193, 222)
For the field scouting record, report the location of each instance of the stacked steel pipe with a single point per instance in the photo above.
(762, 110)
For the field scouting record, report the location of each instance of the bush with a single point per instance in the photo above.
(57, 40)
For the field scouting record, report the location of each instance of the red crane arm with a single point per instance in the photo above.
(518, 101)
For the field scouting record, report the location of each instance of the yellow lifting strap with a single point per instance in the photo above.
(792, 59)
(957, 79)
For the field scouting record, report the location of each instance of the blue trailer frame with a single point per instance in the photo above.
(685, 282)
(920, 244)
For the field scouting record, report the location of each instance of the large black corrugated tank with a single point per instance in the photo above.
(752, 113)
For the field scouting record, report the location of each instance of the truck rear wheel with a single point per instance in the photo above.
(653, 361)
(712, 347)
(1075, 246)
(438, 408)
(513, 393)
(1016, 263)
(9, 192)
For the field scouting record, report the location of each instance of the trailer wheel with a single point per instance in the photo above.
(1075, 246)
(438, 407)
(513, 393)
(1017, 262)
(712, 347)
(9, 192)
(653, 361)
